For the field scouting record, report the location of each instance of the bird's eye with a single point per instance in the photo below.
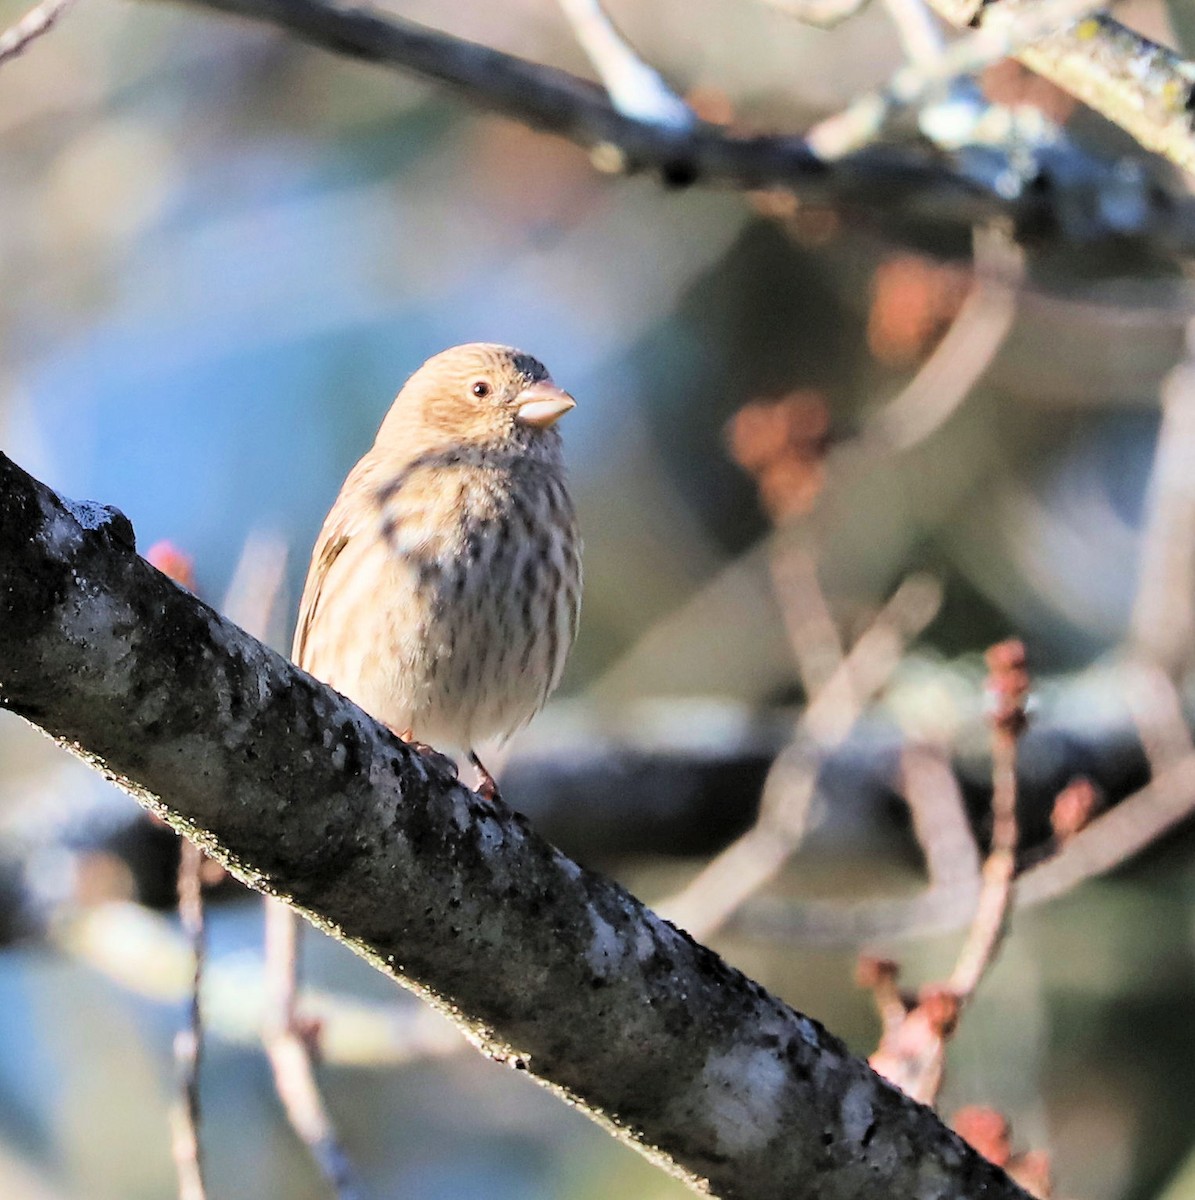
(481, 389)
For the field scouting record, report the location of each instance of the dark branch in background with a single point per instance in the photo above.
(1113, 838)
(1084, 197)
(600, 799)
(547, 967)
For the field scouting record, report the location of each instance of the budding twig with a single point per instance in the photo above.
(1008, 683)
(912, 1049)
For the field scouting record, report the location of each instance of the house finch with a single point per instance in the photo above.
(442, 597)
(445, 585)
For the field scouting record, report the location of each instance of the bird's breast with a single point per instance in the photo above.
(488, 561)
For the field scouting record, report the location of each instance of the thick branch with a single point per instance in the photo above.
(546, 966)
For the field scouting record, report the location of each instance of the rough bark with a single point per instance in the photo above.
(546, 966)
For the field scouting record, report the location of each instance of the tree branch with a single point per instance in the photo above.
(39, 20)
(546, 966)
(1144, 88)
(895, 186)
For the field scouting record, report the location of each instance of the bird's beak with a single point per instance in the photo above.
(542, 404)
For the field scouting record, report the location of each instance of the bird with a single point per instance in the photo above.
(444, 589)
(442, 597)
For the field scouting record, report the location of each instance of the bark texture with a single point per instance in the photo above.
(545, 966)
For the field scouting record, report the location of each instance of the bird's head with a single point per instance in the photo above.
(478, 394)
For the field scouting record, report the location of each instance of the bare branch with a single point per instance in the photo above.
(37, 21)
(812, 634)
(1163, 622)
(637, 90)
(919, 32)
(960, 359)
(546, 966)
(935, 801)
(823, 13)
(1001, 35)
(288, 1045)
(1008, 682)
(754, 860)
(893, 186)
(188, 1041)
(1157, 709)
(1115, 837)
(254, 599)
(1140, 86)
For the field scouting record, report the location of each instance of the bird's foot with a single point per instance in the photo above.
(487, 786)
(408, 736)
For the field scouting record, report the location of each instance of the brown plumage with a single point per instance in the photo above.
(445, 585)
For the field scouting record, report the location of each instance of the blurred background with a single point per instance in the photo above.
(221, 253)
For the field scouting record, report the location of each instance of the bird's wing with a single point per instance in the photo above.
(345, 520)
(326, 552)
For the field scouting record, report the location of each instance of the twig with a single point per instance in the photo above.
(1113, 838)
(253, 598)
(1157, 710)
(881, 977)
(288, 1043)
(1144, 88)
(188, 1041)
(812, 634)
(882, 184)
(143, 952)
(636, 89)
(1010, 685)
(37, 21)
(912, 1049)
(822, 13)
(1002, 34)
(186, 1147)
(1163, 620)
(946, 378)
(931, 790)
(754, 859)
(919, 33)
